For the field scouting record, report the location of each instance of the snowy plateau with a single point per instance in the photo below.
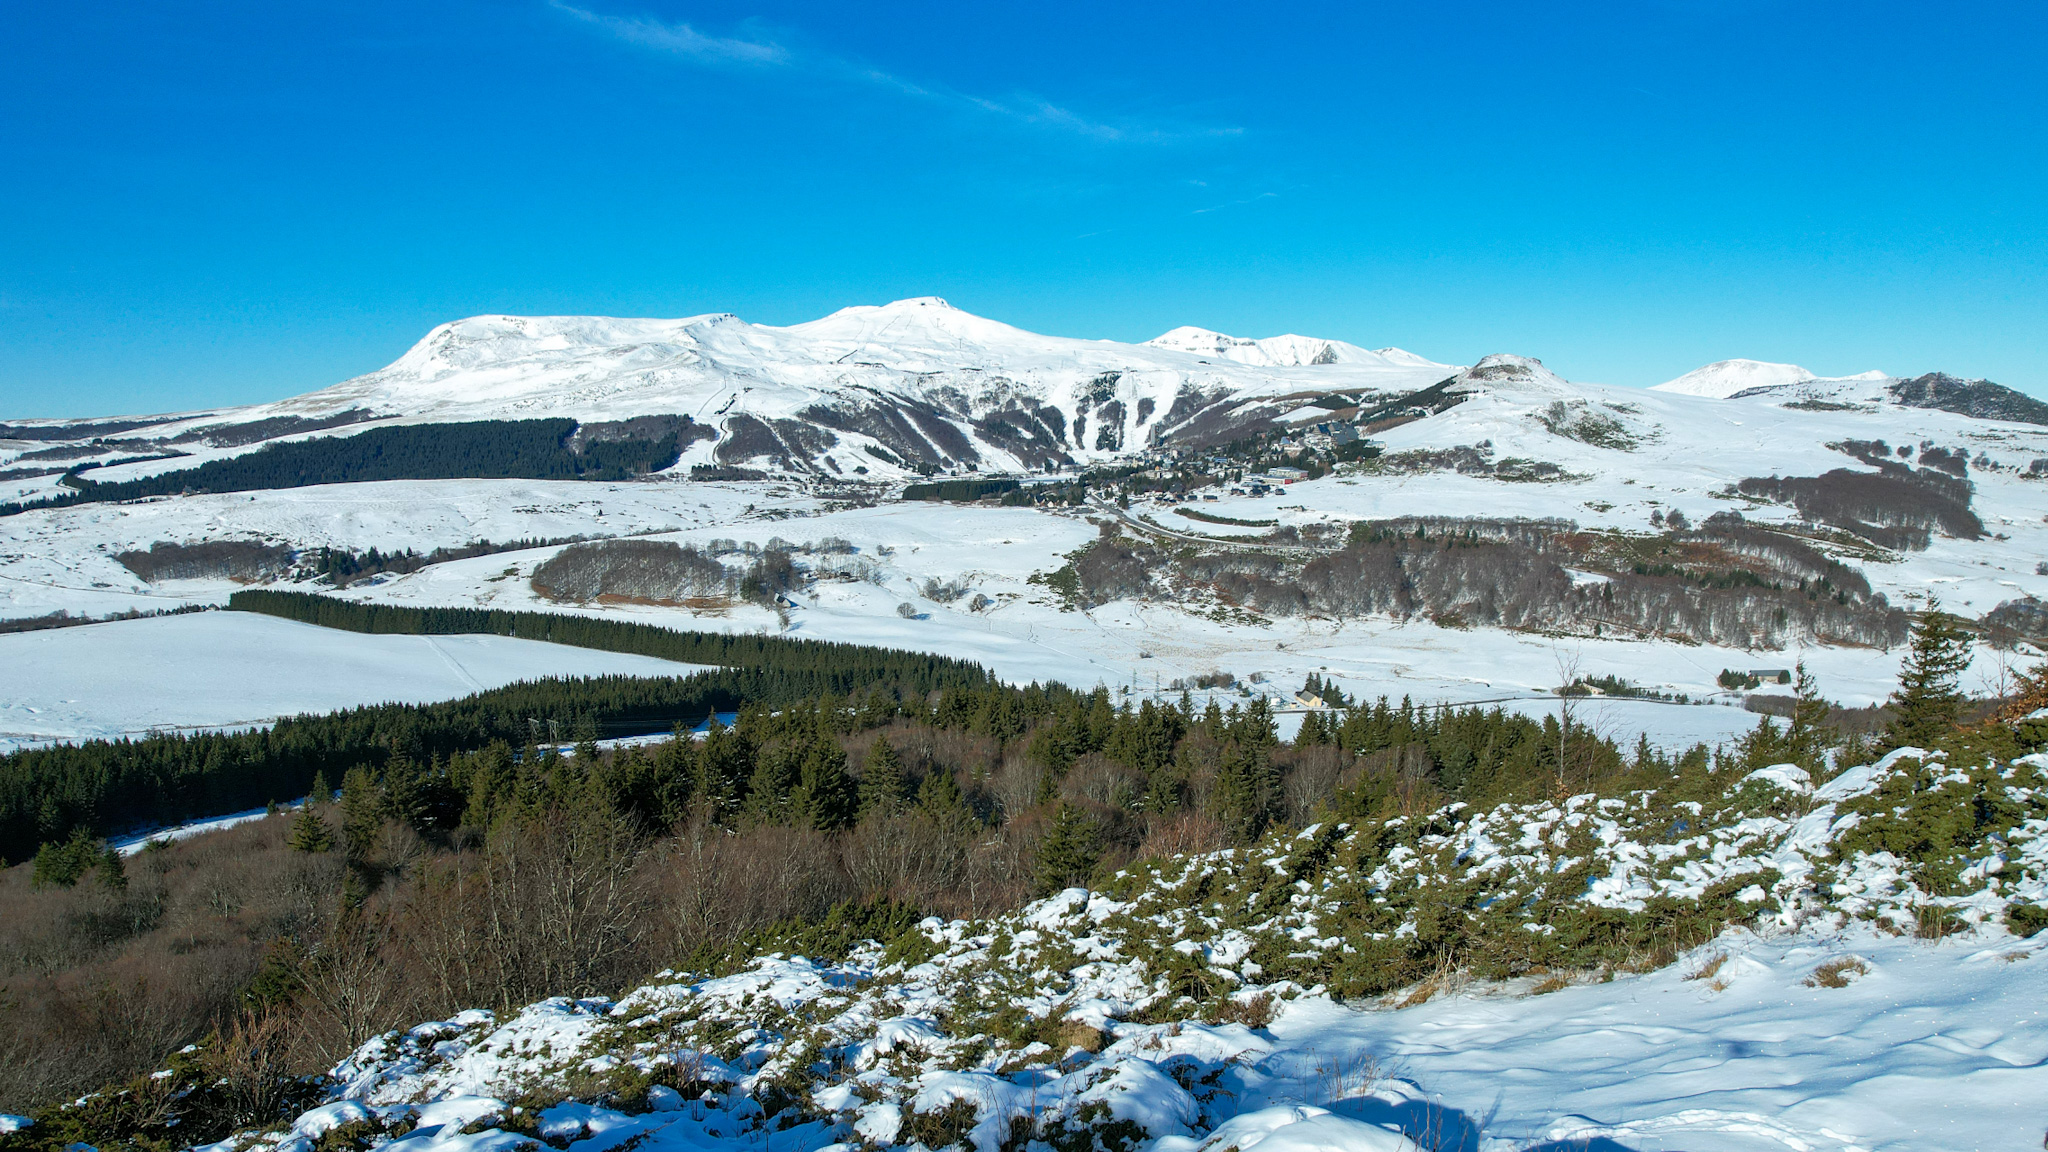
(837, 414)
(1745, 516)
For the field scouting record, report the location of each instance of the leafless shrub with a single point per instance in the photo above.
(656, 570)
(913, 857)
(1309, 777)
(713, 886)
(1183, 833)
(101, 984)
(2015, 620)
(943, 593)
(1895, 507)
(208, 560)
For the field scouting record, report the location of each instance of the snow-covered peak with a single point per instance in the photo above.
(1505, 372)
(917, 327)
(1289, 351)
(1724, 378)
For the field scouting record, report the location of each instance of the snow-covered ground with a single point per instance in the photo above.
(1816, 1029)
(1024, 635)
(213, 670)
(1935, 1047)
(1668, 450)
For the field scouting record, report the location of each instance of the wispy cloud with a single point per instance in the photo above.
(687, 43)
(1235, 203)
(680, 39)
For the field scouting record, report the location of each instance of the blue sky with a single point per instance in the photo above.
(204, 204)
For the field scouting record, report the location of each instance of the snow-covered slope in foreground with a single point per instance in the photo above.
(1172, 1013)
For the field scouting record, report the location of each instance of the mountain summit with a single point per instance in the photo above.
(1725, 378)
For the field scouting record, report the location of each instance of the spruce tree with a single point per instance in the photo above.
(939, 793)
(309, 832)
(1067, 854)
(1313, 731)
(113, 874)
(1929, 702)
(362, 813)
(881, 778)
(725, 766)
(1247, 791)
(826, 796)
(1808, 735)
(774, 780)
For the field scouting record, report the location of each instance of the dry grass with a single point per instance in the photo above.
(1933, 922)
(1252, 1012)
(1447, 978)
(1709, 968)
(1553, 984)
(1837, 973)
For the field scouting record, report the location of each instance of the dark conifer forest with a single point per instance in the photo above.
(476, 450)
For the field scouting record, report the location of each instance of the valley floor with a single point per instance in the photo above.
(877, 568)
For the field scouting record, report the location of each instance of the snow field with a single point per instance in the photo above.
(213, 670)
(64, 561)
(1689, 449)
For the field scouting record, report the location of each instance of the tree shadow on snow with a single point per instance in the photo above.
(1441, 1129)
(1433, 1126)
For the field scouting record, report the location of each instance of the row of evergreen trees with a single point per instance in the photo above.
(784, 761)
(102, 786)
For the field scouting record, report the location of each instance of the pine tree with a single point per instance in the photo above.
(309, 832)
(1067, 854)
(1808, 735)
(1929, 702)
(826, 796)
(113, 874)
(321, 792)
(362, 813)
(774, 780)
(881, 778)
(939, 793)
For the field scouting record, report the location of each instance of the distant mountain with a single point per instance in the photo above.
(890, 389)
(1282, 351)
(1725, 378)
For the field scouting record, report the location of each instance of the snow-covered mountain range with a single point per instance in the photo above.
(884, 388)
(1930, 485)
(913, 386)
